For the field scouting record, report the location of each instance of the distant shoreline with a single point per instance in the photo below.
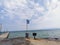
(35, 30)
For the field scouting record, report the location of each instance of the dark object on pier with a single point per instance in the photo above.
(34, 34)
(27, 35)
(56, 38)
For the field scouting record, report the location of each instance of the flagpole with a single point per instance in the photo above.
(0, 27)
(26, 28)
(27, 34)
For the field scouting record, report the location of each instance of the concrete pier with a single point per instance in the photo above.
(15, 41)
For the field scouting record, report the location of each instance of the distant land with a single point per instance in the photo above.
(37, 30)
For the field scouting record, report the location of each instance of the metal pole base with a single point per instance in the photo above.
(26, 35)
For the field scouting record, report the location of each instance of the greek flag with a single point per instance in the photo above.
(27, 21)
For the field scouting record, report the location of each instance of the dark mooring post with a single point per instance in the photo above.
(27, 34)
(34, 34)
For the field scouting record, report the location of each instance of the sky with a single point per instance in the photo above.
(43, 14)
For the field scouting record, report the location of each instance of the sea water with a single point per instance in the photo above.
(40, 33)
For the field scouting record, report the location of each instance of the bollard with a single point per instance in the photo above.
(27, 35)
(34, 34)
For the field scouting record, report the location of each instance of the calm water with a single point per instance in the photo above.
(40, 34)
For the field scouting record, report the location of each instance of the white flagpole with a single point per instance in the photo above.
(26, 28)
(27, 34)
(0, 27)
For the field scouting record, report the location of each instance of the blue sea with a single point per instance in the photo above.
(40, 33)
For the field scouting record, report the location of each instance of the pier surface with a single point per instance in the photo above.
(31, 41)
(15, 41)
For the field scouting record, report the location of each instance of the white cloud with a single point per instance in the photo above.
(51, 18)
(14, 3)
(20, 8)
(1, 17)
(39, 8)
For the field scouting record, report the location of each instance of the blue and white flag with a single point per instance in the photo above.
(27, 21)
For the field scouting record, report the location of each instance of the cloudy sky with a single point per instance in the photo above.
(43, 14)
